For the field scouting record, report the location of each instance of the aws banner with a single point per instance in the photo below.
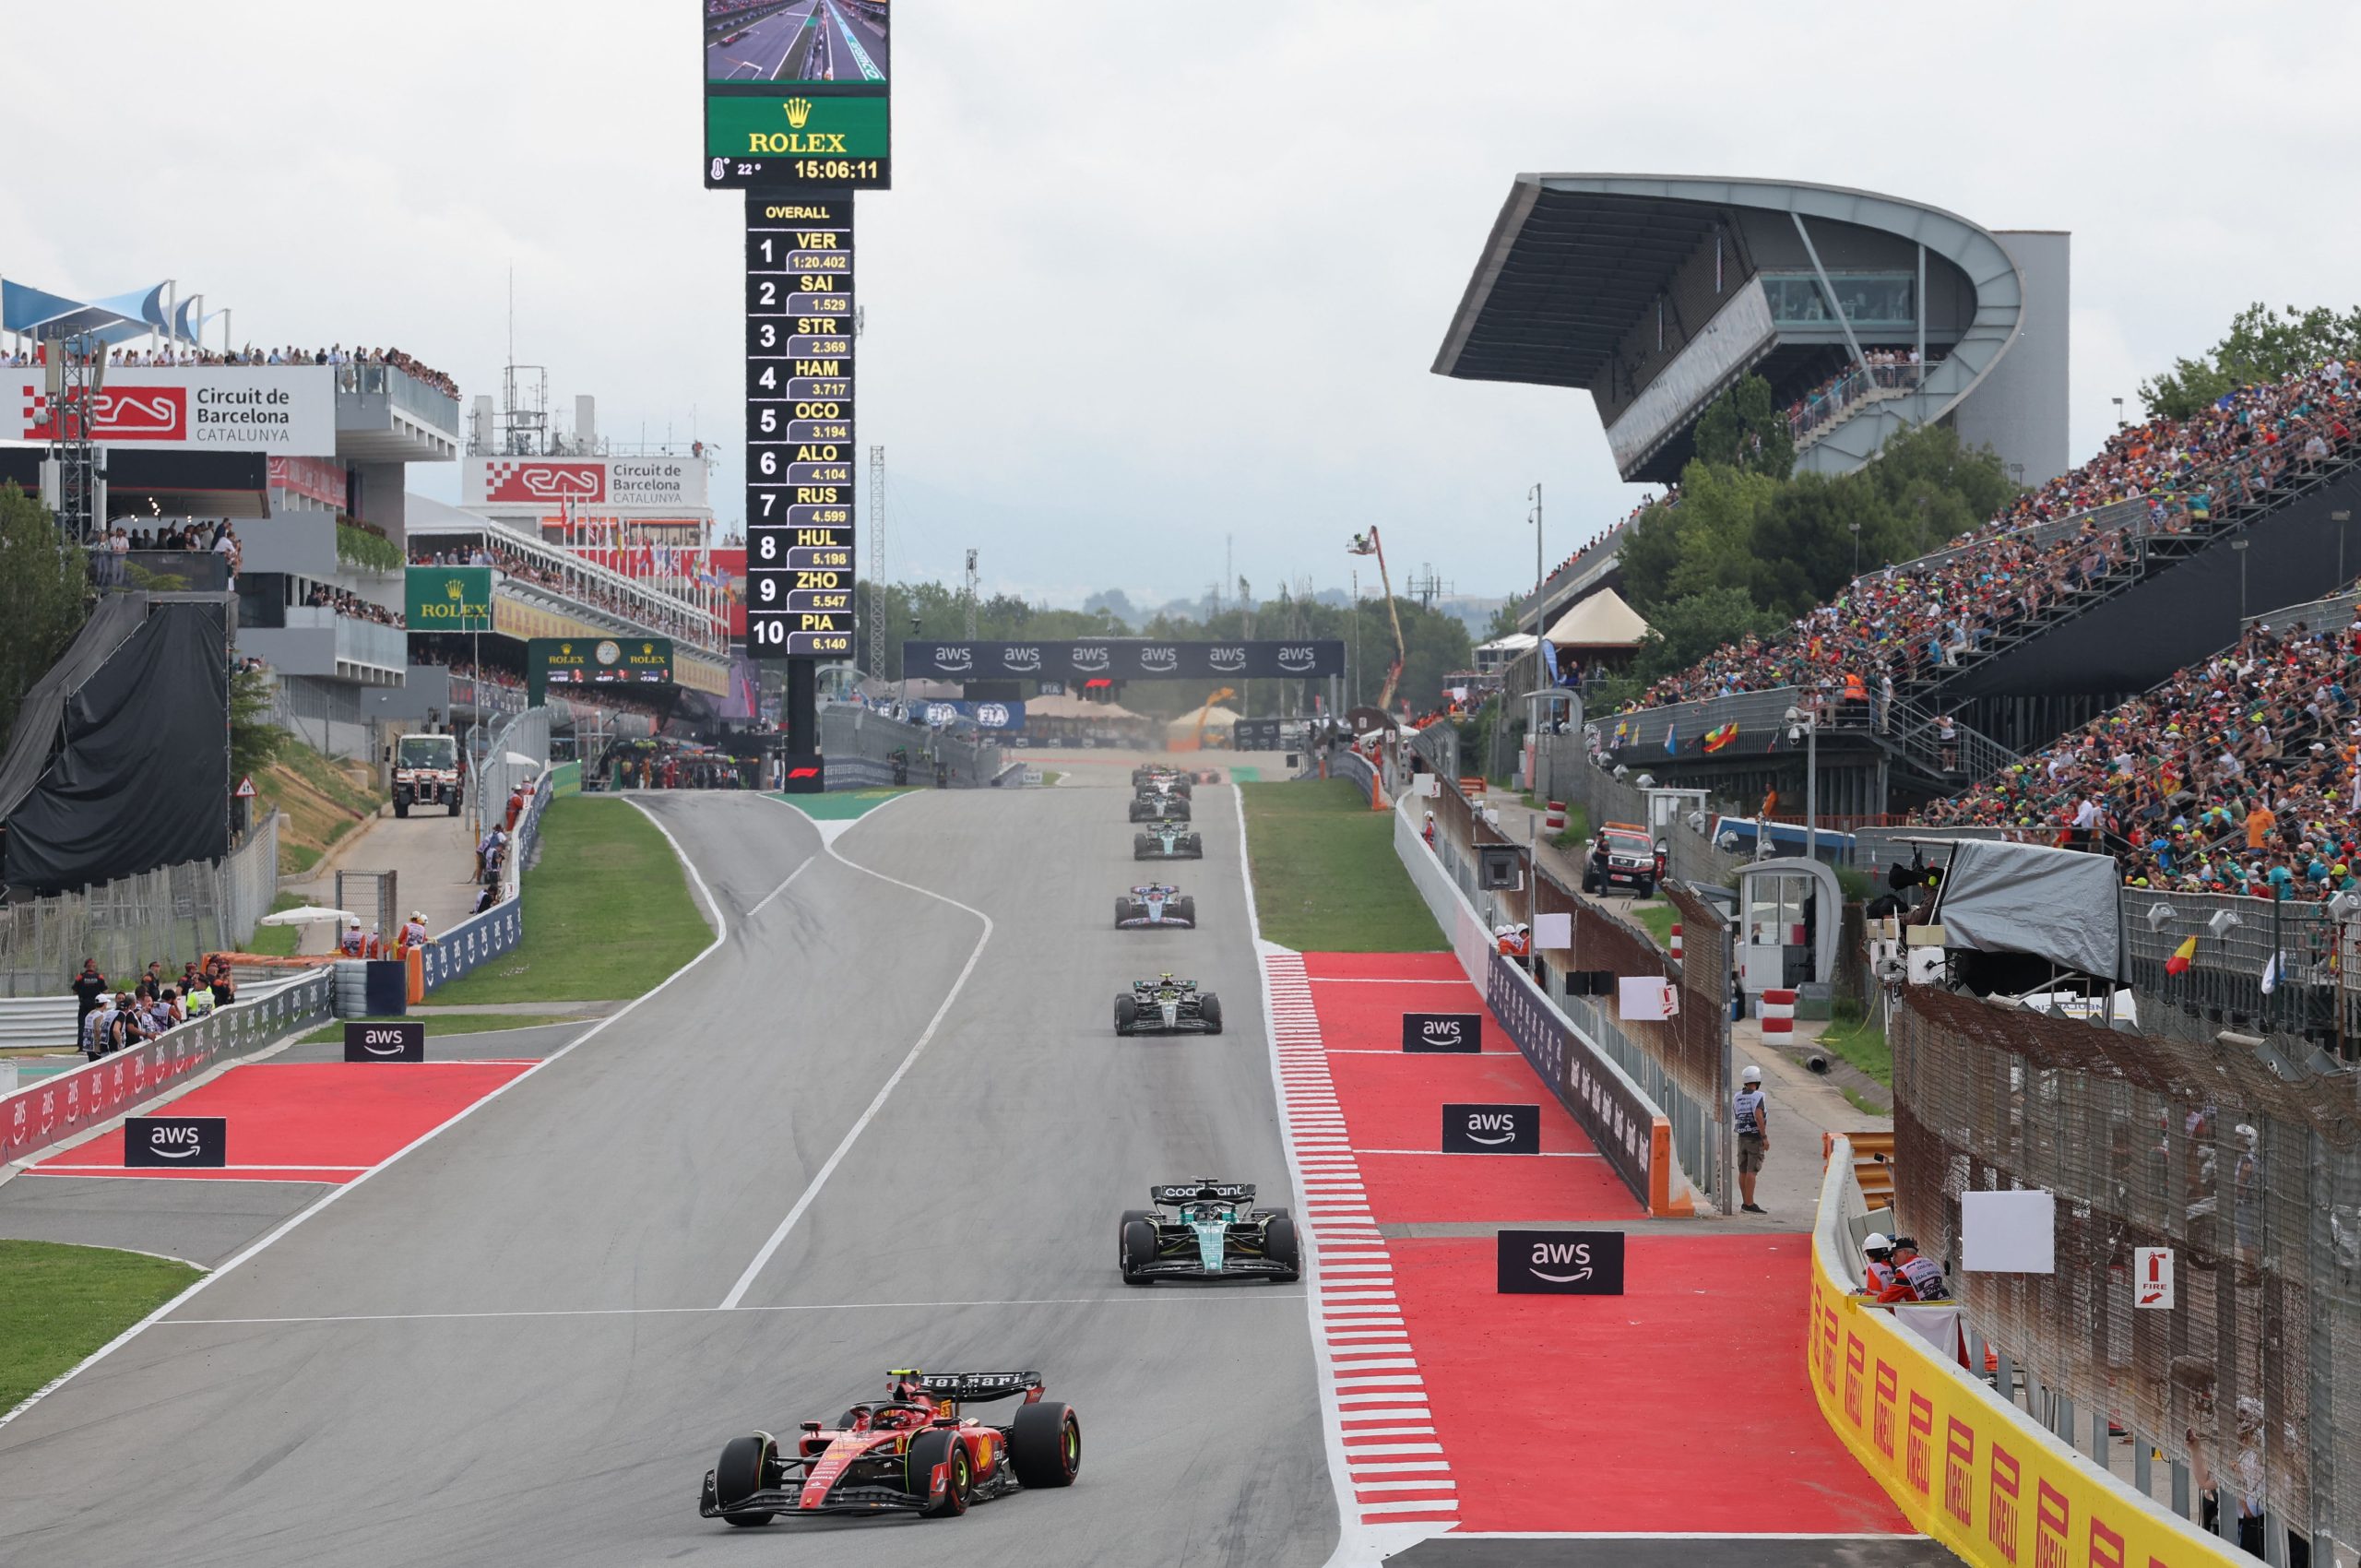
(1123, 658)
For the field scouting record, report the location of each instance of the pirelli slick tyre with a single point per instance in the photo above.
(1139, 846)
(1197, 844)
(1186, 909)
(1184, 787)
(1209, 1009)
(928, 1450)
(1123, 1231)
(1280, 1245)
(1122, 910)
(1127, 1013)
(740, 1473)
(1044, 1444)
(1136, 1246)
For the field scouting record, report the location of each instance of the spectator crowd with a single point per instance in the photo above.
(1901, 622)
(336, 354)
(111, 1020)
(2236, 774)
(351, 605)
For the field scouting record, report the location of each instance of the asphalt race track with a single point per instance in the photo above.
(508, 1345)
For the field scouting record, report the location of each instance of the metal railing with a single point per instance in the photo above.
(1829, 406)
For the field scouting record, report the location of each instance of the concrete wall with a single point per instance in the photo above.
(2019, 409)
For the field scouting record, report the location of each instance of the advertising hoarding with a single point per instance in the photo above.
(285, 410)
(610, 484)
(1123, 658)
(447, 599)
(797, 93)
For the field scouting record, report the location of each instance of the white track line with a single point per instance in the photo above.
(1138, 1301)
(852, 1134)
(720, 935)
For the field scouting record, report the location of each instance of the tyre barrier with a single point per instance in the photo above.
(1778, 1015)
(1554, 819)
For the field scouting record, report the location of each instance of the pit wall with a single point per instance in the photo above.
(1964, 1467)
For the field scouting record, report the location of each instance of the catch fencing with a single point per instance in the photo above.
(524, 737)
(169, 915)
(2252, 1180)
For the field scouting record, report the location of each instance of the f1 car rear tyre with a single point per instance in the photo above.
(1139, 846)
(1127, 1013)
(1209, 1009)
(740, 1473)
(1186, 909)
(1280, 1246)
(1138, 1247)
(927, 1451)
(1044, 1444)
(1122, 910)
(1197, 844)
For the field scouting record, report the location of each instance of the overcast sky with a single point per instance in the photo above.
(1151, 276)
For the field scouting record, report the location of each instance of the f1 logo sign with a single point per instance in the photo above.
(1492, 1129)
(1560, 1263)
(1460, 1033)
(166, 1142)
(2152, 1278)
(404, 1042)
(804, 776)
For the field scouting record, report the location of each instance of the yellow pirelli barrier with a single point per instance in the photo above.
(1968, 1469)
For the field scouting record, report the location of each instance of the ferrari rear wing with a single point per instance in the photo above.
(970, 1386)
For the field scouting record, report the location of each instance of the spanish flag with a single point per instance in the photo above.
(1720, 735)
(2183, 956)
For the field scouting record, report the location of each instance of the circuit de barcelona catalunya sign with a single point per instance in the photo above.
(1123, 658)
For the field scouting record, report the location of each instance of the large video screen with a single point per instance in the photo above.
(796, 43)
(796, 94)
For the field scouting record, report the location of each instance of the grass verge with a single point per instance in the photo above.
(1857, 1039)
(1659, 918)
(278, 941)
(608, 912)
(63, 1302)
(1326, 879)
(453, 1024)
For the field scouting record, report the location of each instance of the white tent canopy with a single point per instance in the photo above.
(1511, 645)
(1601, 620)
(1218, 720)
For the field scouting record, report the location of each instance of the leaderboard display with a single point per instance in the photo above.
(800, 453)
(797, 93)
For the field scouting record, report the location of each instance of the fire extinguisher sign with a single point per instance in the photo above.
(2152, 1282)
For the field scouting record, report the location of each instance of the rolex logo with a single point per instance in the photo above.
(455, 591)
(798, 110)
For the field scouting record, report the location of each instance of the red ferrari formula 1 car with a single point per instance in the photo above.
(911, 1453)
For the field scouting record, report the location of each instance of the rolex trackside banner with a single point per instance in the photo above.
(1123, 658)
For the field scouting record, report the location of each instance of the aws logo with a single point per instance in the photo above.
(188, 1141)
(1228, 657)
(1297, 661)
(1160, 659)
(1574, 1255)
(1021, 659)
(954, 658)
(1087, 657)
(1492, 1129)
(1560, 1263)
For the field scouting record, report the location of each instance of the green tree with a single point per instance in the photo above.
(44, 597)
(1681, 633)
(255, 741)
(2262, 345)
(1743, 428)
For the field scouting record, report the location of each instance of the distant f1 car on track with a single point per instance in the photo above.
(1214, 1232)
(1168, 841)
(912, 1453)
(1155, 775)
(1146, 807)
(1167, 1006)
(1155, 903)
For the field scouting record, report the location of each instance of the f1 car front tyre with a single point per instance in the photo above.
(927, 1451)
(1127, 1013)
(1209, 1009)
(1044, 1444)
(1139, 846)
(740, 1475)
(1197, 844)
(1186, 909)
(1138, 1246)
(1280, 1246)
(1122, 910)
